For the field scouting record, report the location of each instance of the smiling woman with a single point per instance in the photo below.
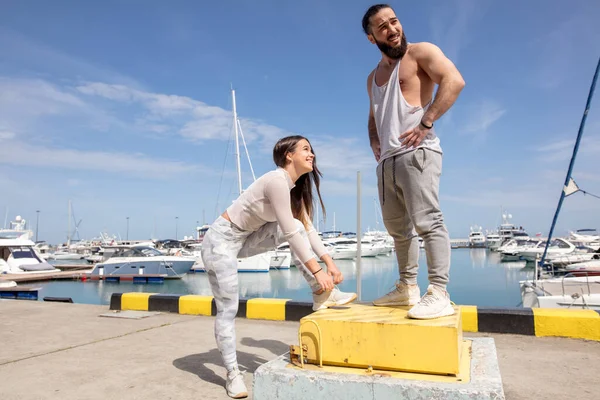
(276, 208)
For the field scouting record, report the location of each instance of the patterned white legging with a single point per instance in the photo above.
(222, 245)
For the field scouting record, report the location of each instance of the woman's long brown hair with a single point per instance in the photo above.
(302, 193)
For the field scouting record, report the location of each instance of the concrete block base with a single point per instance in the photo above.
(279, 379)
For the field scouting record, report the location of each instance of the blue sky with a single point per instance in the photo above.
(125, 108)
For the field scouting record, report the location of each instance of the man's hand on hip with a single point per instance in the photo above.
(414, 137)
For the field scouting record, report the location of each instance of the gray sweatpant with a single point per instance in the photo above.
(222, 245)
(408, 193)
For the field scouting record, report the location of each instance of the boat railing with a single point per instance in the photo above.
(579, 275)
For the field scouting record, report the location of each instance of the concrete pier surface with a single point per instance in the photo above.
(72, 352)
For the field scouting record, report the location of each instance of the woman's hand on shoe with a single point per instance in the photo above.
(324, 280)
(335, 274)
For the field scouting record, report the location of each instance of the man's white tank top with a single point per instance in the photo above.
(394, 116)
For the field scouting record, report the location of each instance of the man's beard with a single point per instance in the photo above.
(395, 53)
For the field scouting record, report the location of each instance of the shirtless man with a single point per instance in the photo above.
(401, 119)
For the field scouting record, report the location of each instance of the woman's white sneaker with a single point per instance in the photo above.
(402, 295)
(434, 304)
(236, 388)
(331, 299)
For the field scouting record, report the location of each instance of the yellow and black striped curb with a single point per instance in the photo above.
(582, 324)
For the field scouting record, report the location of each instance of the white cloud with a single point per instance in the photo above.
(121, 163)
(154, 114)
(482, 116)
(160, 104)
(26, 103)
(206, 129)
(35, 98)
(450, 24)
(6, 135)
(342, 157)
(190, 118)
(562, 149)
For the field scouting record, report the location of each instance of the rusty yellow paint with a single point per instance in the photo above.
(383, 338)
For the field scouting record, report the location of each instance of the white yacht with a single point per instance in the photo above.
(586, 238)
(580, 292)
(280, 259)
(256, 263)
(17, 251)
(511, 251)
(493, 241)
(344, 248)
(476, 237)
(142, 260)
(558, 246)
(507, 230)
(42, 249)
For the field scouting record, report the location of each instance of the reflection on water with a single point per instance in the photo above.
(477, 277)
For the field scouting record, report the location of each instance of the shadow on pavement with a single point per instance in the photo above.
(274, 346)
(198, 364)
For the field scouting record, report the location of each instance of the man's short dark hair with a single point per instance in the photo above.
(370, 12)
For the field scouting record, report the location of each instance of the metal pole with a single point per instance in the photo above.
(237, 144)
(127, 237)
(358, 239)
(37, 224)
(176, 223)
(575, 149)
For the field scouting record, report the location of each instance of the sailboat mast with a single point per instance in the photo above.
(69, 231)
(334, 221)
(237, 143)
(572, 162)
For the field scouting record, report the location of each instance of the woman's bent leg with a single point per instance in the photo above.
(268, 237)
(219, 253)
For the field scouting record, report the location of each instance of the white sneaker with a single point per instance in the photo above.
(403, 295)
(333, 298)
(434, 304)
(236, 388)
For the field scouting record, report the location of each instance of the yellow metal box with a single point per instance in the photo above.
(382, 338)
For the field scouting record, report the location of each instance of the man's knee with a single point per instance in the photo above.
(428, 221)
(399, 228)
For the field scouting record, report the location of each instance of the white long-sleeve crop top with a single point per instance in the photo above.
(268, 200)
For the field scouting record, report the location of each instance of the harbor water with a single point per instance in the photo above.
(477, 277)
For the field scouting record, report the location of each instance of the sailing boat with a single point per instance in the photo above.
(574, 291)
(259, 262)
(68, 251)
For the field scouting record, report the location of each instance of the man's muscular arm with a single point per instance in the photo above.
(443, 72)
(373, 137)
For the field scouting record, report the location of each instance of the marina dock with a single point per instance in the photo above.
(91, 352)
(46, 276)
